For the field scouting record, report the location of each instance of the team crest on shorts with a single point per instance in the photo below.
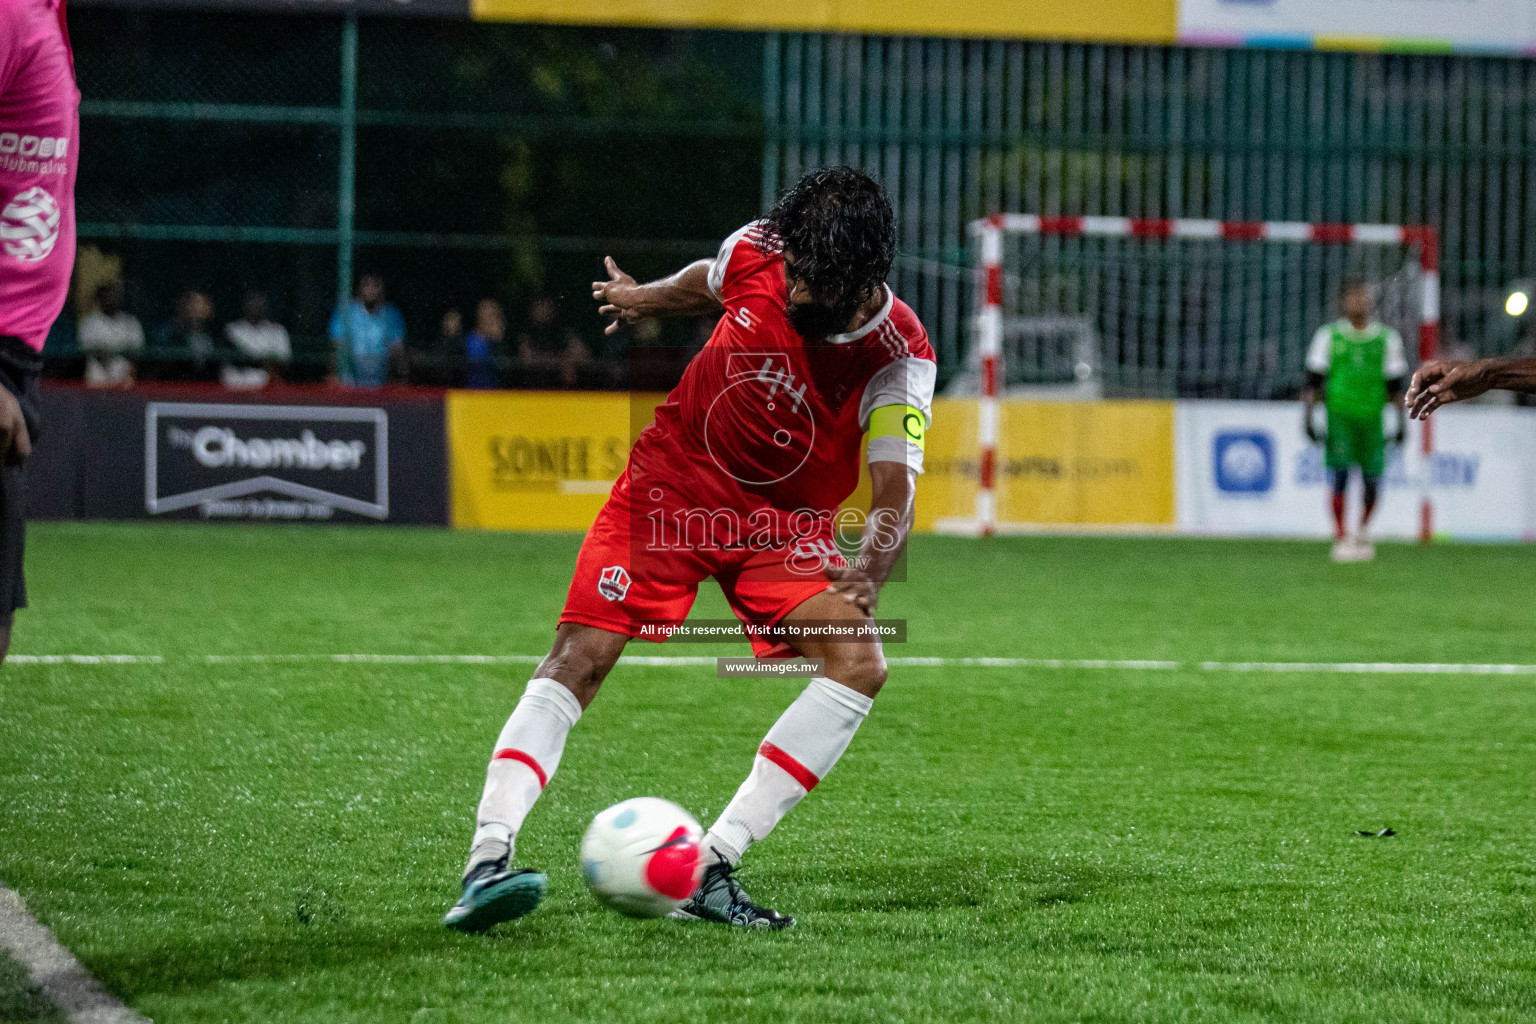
(613, 583)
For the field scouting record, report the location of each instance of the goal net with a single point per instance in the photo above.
(1089, 307)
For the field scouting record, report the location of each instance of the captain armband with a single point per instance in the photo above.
(905, 422)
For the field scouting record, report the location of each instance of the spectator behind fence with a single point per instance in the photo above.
(549, 352)
(483, 346)
(439, 366)
(369, 334)
(111, 338)
(260, 348)
(182, 348)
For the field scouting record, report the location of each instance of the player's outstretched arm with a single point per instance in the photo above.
(1440, 383)
(893, 488)
(685, 293)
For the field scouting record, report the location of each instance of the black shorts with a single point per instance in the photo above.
(20, 368)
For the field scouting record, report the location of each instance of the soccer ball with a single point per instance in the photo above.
(642, 857)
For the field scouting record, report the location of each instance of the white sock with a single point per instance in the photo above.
(798, 752)
(526, 756)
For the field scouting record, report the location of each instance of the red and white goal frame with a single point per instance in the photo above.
(989, 233)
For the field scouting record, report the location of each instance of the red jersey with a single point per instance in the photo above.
(764, 419)
(741, 473)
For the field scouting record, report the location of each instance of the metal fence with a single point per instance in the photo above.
(962, 128)
(1103, 316)
(461, 159)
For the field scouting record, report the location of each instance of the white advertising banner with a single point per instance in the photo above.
(1505, 26)
(1247, 469)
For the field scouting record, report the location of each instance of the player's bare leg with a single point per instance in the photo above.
(797, 753)
(581, 659)
(526, 754)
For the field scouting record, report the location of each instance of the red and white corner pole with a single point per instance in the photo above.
(1429, 348)
(989, 343)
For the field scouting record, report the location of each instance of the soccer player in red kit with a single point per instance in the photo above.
(740, 477)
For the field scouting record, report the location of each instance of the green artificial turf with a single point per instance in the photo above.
(277, 841)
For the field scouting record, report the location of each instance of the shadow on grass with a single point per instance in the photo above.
(292, 951)
(959, 882)
(20, 1001)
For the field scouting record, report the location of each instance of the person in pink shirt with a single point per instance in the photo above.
(39, 154)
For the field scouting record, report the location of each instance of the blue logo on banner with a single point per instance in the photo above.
(1454, 469)
(1447, 470)
(1244, 461)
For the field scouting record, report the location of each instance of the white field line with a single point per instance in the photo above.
(667, 661)
(1057, 663)
(1369, 668)
(55, 971)
(85, 659)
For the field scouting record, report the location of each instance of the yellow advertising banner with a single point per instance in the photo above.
(1131, 21)
(530, 460)
(1059, 464)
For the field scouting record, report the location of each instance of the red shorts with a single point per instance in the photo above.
(641, 565)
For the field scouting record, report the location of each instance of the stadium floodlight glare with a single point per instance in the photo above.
(1517, 303)
(1123, 261)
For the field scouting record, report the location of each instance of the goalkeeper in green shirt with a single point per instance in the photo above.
(1357, 366)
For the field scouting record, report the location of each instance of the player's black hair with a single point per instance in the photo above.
(836, 223)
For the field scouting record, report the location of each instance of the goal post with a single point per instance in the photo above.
(1131, 263)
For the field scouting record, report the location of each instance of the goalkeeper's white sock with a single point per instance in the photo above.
(526, 756)
(798, 752)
